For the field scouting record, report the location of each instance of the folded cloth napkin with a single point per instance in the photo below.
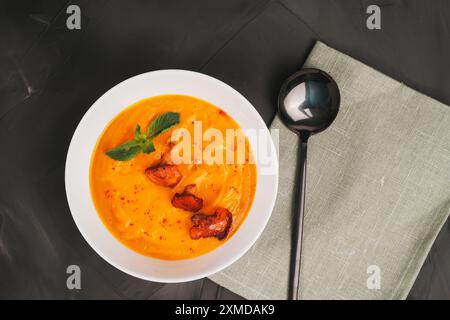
(378, 192)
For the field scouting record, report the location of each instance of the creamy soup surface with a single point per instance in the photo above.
(138, 212)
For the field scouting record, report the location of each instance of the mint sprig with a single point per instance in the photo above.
(142, 142)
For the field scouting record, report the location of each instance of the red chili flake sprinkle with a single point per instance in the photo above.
(164, 220)
(160, 237)
(122, 198)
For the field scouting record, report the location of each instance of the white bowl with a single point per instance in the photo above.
(77, 175)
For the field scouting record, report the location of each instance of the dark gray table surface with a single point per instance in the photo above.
(50, 76)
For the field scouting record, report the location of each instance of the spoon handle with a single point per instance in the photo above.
(297, 227)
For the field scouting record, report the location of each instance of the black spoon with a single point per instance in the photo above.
(307, 104)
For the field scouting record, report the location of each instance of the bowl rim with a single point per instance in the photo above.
(70, 187)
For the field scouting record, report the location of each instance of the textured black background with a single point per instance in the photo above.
(49, 77)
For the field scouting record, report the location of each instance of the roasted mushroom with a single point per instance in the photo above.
(215, 225)
(165, 175)
(187, 200)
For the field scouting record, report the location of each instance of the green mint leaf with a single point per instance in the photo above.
(137, 132)
(148, 146)
(162, 123)
(126, 151)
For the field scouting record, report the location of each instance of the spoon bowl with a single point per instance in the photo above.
(308, 102)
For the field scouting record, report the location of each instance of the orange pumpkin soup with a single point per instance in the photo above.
(146, 216)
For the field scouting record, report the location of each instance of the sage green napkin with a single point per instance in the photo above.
(378, 192)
